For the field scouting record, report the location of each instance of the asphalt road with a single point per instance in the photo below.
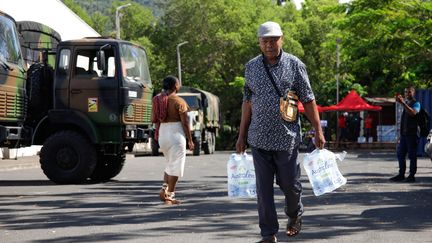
(367, 209)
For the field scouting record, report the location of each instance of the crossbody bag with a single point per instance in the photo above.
(287, 102)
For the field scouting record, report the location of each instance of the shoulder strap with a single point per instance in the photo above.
(271, 79)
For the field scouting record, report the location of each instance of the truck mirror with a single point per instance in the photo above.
(101, 60)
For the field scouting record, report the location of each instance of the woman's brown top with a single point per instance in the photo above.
(176, 106)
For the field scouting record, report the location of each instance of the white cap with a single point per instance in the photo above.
(270, 29)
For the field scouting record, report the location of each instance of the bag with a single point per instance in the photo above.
(241, 176)
(288, 107)
(322, 171)
(423, 119)
(287, 103)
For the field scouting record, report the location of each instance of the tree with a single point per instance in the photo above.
(99, 22)
(78, 11)
(318, 40)
(387, 44)
(136, 20)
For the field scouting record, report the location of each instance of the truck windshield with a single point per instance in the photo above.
(9, 43)
(192, 101)
(135, 67)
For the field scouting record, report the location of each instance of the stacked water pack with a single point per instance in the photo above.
(322, 170)
(241, 176)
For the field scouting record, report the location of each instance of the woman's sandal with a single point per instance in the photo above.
(294, 226)
(163, 192)
(170, 200)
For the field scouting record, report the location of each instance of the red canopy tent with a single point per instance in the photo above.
(301, 108)
(352, 102)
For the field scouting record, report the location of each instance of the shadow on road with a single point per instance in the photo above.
(369, 202)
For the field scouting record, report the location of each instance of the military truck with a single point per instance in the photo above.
(86, 112)
(204, 118)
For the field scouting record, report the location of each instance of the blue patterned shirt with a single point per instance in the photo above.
(267, 129)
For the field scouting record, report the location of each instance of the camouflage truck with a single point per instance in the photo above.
(204, 118)
(86, 111)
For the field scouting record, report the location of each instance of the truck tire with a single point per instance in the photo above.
(38, 88)
(67, 157)
(209, 146)
(154, 147)
(213, 139)
(206, 147)
(108, 166)
(197, 146)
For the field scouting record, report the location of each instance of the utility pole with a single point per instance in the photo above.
(338, 40)
(179, 61)
(117, 19)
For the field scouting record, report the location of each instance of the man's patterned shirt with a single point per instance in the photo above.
(267, 129)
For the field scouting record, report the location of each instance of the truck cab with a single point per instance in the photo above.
(101, 97)
(107, 81)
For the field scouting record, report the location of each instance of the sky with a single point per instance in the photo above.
(298, 2)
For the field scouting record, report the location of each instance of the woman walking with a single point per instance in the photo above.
(172, 132)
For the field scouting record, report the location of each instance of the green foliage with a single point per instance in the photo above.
(135, 21)
(99, 22)
(388, 44)
(319, 42)
(78, 10)
(238, 82)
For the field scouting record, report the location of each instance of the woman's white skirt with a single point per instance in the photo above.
(172, 142)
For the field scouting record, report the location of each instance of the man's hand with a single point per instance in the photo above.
(319, 140)
(240, 145)
(400, 99)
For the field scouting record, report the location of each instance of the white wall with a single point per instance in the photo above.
(52, 13)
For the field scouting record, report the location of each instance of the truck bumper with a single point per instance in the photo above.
(10, 133)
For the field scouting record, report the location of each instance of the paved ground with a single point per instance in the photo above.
(367, 209)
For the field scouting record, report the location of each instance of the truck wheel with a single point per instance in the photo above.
(67, 157)
(108, 166)
(207, 147)
(154, 147)
(197, 146)
(213, 139)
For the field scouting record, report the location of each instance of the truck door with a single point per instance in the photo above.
(93, 92)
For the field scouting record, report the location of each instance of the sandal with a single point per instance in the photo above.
(170, 200)
(294, 226)
(163, 192)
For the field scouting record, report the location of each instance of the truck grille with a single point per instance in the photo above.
(12, 106)
(137, 113)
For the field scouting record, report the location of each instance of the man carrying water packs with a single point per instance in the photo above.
(275, 81)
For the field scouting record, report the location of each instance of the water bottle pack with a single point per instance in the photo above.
(241, 176)
(322, 170)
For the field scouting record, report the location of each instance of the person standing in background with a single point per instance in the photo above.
(172, 128)
(342, 128)
(368, 124)
(409, 138)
